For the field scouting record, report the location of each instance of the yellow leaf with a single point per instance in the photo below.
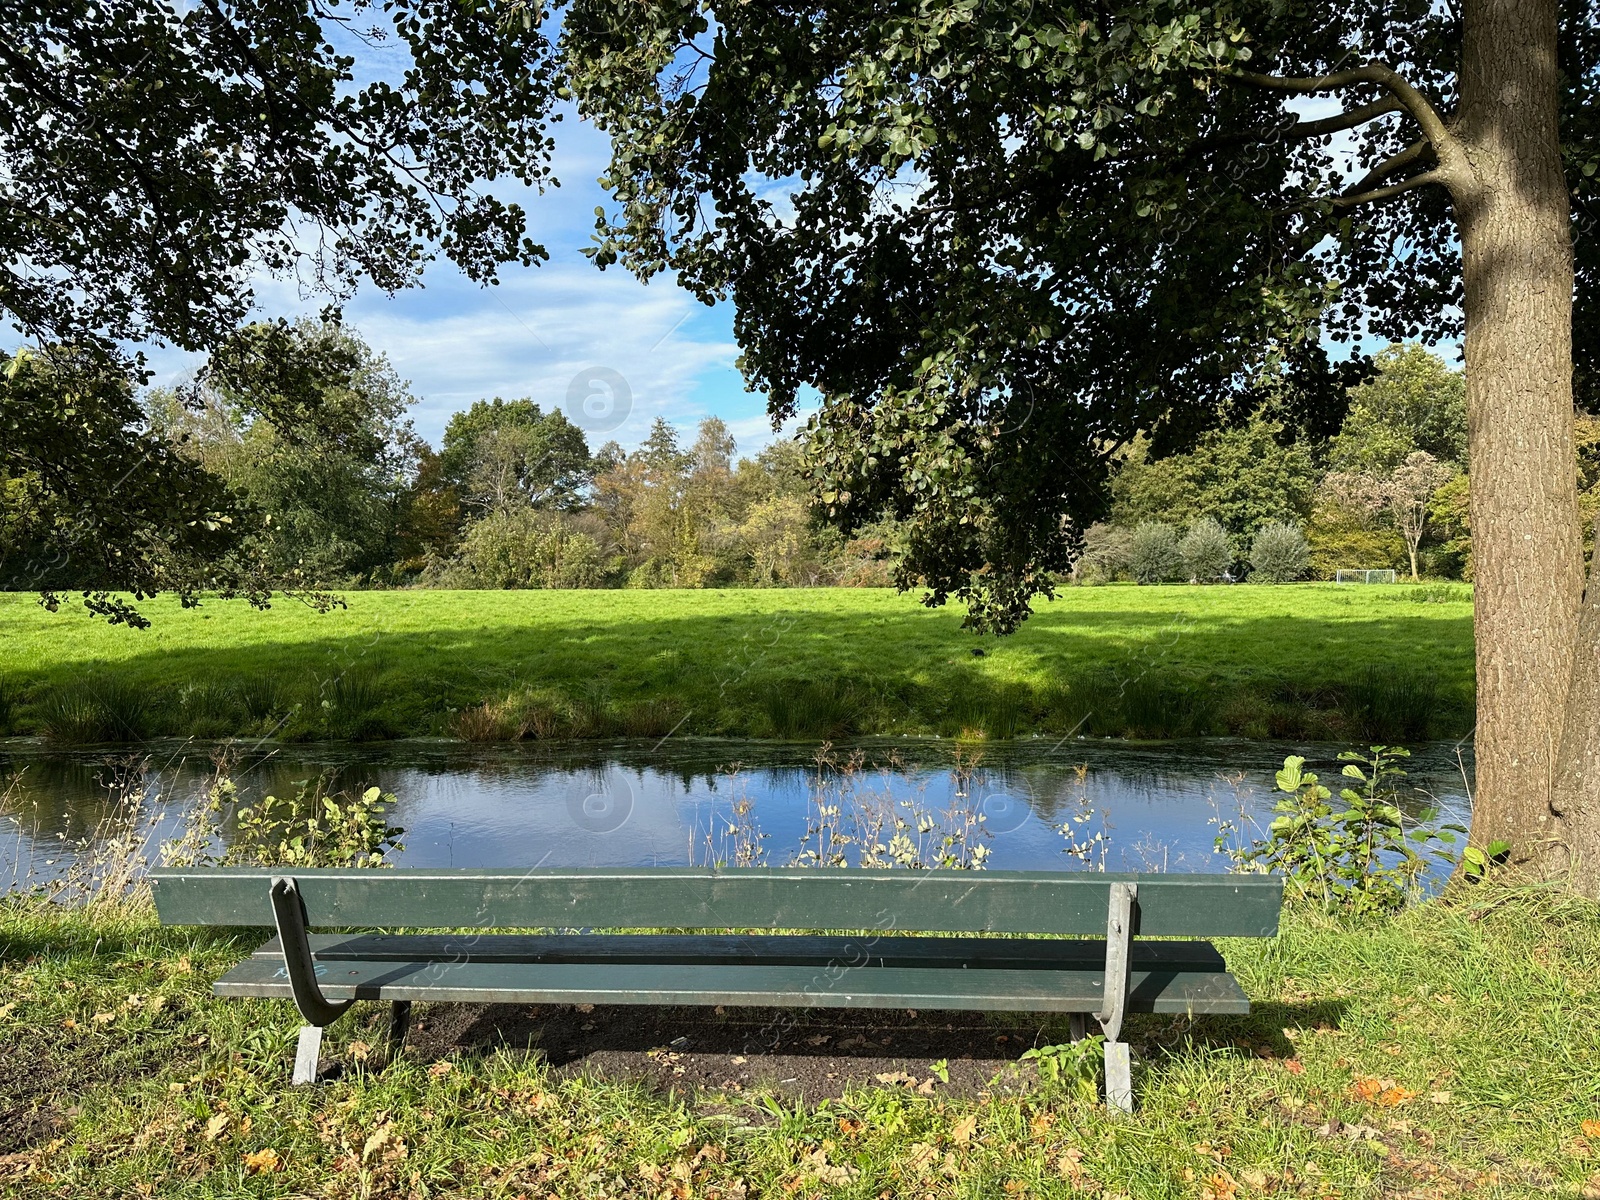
(440, 1068)
(360, 1051)
(1590, 1128)
(1367, 1089)
(963, 1129)
(378, 1140)
(216, 1127)
(6, 1009)
(261, 1162)
(104, 1018)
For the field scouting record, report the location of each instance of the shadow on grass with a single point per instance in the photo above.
(807, 674)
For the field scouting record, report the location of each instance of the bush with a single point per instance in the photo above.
(1153, 553)
(1106, 553)
(522, 548)
(1206, 551)
(1279, 554)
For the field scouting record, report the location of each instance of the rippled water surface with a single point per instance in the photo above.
(1125, 806)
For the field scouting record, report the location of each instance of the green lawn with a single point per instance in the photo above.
(1453, 1051)
(1293, 661)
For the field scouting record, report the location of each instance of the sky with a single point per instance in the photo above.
(614, 353)
(564, 333)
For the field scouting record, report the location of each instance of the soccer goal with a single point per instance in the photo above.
(1349, 576)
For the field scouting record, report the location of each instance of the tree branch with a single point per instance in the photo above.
(1389, 166)
(1352, 198)
(1415, 103)
(1345, 120)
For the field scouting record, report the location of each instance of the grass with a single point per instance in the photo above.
(1303, 661)
(1453, 1051)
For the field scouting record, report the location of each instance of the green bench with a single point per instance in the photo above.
(1065, 972)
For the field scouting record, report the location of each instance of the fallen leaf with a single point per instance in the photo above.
(849, 1126)
(1040, 1125)
(441, 1068)
(1253, 1177)
(6, 1010)
(1219, 1186)
(104, 1018)
(360, 1051)
(1439, 1097)
(899, 1077)
(1392, 1097)
(925, 1088)
(1590, 1128)
(69, 1023)
(963, 1129)
(1294, 1066)
(216, 1127)
(921, 1156)
(182, 966)
(262, 1161)
(1591, 1189)
(1367, 1089)
(584, 1008)
(377, 1141)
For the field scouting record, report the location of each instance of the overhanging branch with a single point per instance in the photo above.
(1414, 102)
(1351, 198)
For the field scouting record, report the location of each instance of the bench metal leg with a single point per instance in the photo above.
(1120, 922)
(1077, 1026)
(306, 1054)
(399, 1025)
(290, 914)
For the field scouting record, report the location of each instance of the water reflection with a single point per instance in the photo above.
(1068, 806)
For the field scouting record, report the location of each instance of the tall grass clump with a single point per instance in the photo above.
(94, 709)
(351, 699)
(1397, 705)
(209, 709)
(806, 709)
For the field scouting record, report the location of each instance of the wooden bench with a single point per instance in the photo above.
(884, 968)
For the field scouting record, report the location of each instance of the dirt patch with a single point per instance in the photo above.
(815, 1053)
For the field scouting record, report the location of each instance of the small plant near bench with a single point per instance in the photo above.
(1357, 855)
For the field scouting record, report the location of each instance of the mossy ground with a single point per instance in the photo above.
(1452, 1051)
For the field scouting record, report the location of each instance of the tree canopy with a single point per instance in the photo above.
(157, 154)
(1046, 231)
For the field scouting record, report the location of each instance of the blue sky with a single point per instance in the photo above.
(543, 326)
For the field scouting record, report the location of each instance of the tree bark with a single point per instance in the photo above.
(1513, 211)
(1576, 803)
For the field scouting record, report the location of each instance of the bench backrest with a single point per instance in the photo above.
(734, 898)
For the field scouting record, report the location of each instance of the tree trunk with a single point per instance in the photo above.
(1513, 211)
(1412, 547)
(1576, 803)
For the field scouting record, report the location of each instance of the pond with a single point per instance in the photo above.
(1045, 805)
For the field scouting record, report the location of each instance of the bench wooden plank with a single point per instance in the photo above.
(800, 986)
(733, 949)
(741, 898)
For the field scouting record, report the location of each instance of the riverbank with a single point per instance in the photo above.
(1452, 1051)
(1317, 662)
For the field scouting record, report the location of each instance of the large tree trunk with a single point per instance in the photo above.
(1576, 803)
(1512, 206)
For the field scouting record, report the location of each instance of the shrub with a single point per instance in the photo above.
(1153, 553)
(1279, 554)
(522, 548)
(1360, 858)
(1106, 553)
(1206, 551)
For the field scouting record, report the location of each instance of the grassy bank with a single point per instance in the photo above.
(1453, 1051)
(1298, 662)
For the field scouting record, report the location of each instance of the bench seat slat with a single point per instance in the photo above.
(710, 949)
(1042, 902)
(800, 985)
